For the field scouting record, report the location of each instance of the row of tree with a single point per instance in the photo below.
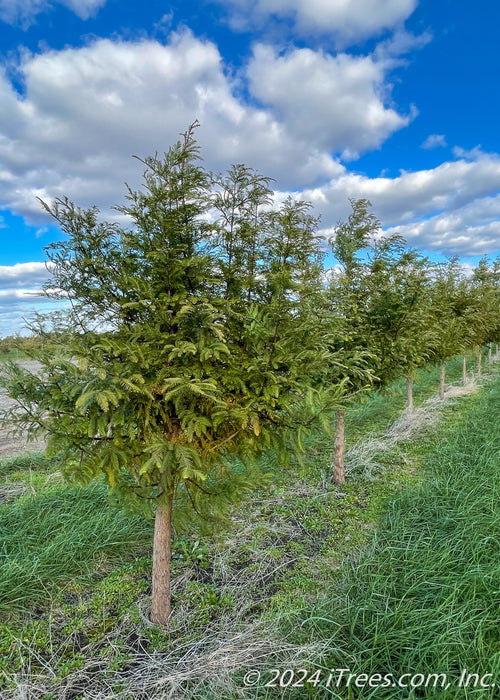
(402, 310)
(206, 329)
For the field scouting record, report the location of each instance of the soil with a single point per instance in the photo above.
(13, 445)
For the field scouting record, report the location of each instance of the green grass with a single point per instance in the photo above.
(58, 536)
(75, 571)
(377, 410)
(13, 354)
(425, 597)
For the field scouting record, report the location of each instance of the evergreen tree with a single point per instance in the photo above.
(485, 300)
(191, 341)
(399, 312)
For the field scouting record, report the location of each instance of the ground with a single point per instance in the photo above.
(11, 445)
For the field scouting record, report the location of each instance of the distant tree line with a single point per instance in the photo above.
(18, 343)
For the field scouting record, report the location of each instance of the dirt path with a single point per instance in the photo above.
(10, 445)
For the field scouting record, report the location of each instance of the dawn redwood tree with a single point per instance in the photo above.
(378, 311)
(449, 315)
(485, 301)
(346, 310)
(400, 312)
(191, 341)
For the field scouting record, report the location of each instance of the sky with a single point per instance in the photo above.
(392, 100)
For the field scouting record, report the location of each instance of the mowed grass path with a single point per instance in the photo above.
(425, 597)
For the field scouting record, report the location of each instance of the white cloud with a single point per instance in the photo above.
(20, 295)
(346, 21)
(434, 141)
(23, 12)
(473, 229)
(336, 103)
(86, 111)
(471, 154)
(453, 208)
(23, 276)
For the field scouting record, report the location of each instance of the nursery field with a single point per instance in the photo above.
(396, 572)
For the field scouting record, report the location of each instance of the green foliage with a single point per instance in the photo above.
(191, 344)
(484, 293)
(379, 301)
(399, 309)
(451, 312)
(284, 548)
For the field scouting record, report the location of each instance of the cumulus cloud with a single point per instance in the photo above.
(23, 276)
(20, 295)
(434, 141)
(86, 111)
(473, 229)
(468, 154)
(337, 102)
(453, 208)
(348, 21)
(23, 12)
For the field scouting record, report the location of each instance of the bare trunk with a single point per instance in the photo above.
(464, 369)
(490, 353)
(479, 361)
(162, 554)
(338, 465)
(409, 392)
(441, 380)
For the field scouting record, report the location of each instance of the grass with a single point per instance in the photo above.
(13, 354)
(425, 596)
(50, 539)
(76, 580)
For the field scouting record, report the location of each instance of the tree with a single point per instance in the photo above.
(449, 315)
(190, 343)
(485, 299)
(346, 311)
(378, 310)
(399, 312)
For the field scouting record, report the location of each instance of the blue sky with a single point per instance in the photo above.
(393, 100)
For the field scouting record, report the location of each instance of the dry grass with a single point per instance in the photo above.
(201, 653)
(198, 667)
(175, 676)
(364, 459)
(11, 491)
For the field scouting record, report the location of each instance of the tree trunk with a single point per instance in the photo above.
(409, 392)
(479, 361)
(464, 370)
(490, 352)
(338, 463)
(162, 554)
(441, 380)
